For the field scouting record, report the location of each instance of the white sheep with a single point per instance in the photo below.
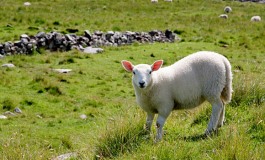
(154, 1)
(185, 84)
(255, 18)
(27, 3)
(227, 9)
(225, 16)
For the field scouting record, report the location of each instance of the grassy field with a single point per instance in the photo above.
(51, 103)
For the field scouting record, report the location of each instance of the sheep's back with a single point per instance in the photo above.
(194, 78)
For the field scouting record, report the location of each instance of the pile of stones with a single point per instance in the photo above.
(259, 1)
(55, 41)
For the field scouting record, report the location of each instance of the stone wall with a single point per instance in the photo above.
(55, 41)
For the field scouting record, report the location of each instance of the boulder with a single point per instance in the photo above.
(8, 65)
(17, 110)
(62, 70)
(3, 117)
(83, 116)
(92, 50)
(66, 156)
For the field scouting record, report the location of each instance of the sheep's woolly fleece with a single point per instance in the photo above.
(186, 84)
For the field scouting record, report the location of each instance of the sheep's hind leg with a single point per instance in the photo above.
(222, 117)
(217, 108)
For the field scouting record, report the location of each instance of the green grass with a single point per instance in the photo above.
(99, 87)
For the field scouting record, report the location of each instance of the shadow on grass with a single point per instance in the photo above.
(195, 138)
(199, 137)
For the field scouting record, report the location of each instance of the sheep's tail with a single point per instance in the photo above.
(226, 94)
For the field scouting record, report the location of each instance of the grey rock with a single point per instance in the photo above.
(3, 117)
(152, 33)
(88, 34)
(39, 116)
(40, 35)
(8, 65)
(91, 50)
(17, 110)
(24, 40)
(29, 46)
(9, 113)
(124, 39)
(258, 1)
(109, 36)
(129, 33)
(9, 25)
(110, 32)
(24, 36)
(62, 70)
(66, 156)
(98, 33)
(83, 116)
(7, 46)
(70, 38)
(18, 44)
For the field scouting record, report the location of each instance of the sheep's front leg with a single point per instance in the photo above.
(159, 126)
(149, 121)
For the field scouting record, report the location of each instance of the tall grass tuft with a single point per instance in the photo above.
(125, 137)
(248, 93)
(8, 104)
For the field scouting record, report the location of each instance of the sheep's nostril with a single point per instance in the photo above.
(141, 84)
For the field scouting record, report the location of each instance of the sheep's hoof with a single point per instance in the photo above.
(211, 133)
(221, 124)
(157, 140)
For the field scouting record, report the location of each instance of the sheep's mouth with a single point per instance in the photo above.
(141, 86)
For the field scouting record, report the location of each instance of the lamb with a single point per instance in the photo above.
(199, 77)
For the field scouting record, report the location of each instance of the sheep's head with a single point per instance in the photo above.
(142, 73)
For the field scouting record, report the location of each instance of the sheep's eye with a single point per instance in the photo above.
(133, 72)
(150, 72)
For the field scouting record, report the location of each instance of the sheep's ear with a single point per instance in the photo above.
(156, 65)
(127, 65)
